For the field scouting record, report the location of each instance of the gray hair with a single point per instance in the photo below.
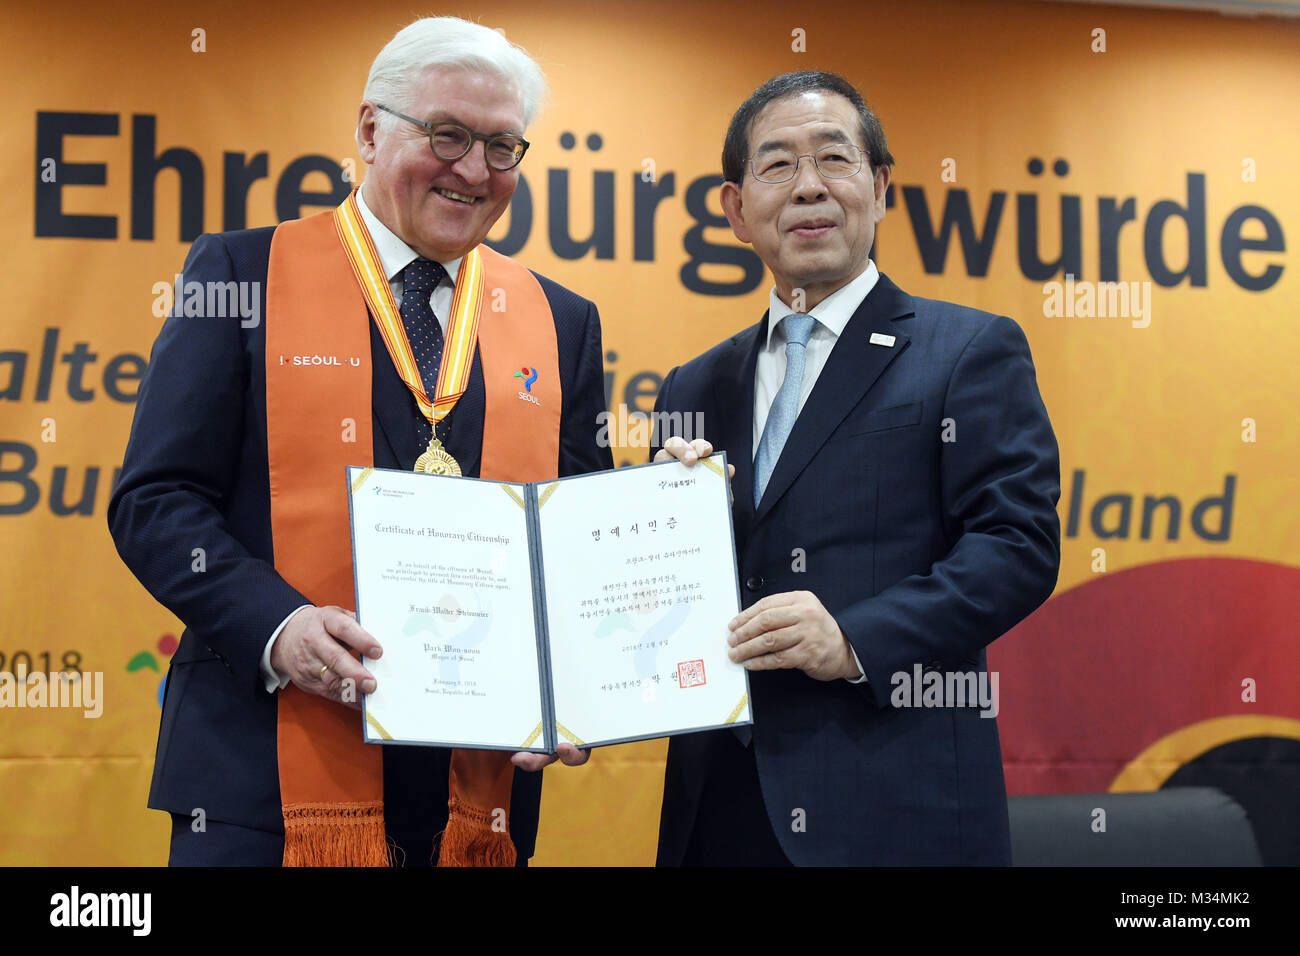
(450, 43)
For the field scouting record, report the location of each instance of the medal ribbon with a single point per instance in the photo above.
(462, 326)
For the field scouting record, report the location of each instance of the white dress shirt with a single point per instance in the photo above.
(832, 314)
(394, 256)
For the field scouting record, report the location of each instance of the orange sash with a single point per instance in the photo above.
(318, 405)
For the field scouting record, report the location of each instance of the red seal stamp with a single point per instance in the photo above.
(690, 674)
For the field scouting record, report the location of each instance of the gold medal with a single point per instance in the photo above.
(436, 460)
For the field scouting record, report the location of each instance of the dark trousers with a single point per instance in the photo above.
(732, 826)
(222, 844)
(415, 811)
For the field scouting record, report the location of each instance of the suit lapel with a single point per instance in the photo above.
(853, 367)
(396, 429)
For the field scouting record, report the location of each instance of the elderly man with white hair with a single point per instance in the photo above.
(239, 448)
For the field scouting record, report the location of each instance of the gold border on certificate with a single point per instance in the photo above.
(712, 465)
(513, 494)
(537, 732)
(569, 735)
(379, 728)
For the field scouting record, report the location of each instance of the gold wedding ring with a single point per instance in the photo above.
(324, 669)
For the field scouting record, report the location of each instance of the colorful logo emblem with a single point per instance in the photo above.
(167, 645)
(529, 375)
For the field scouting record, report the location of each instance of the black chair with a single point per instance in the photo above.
(1181, 826)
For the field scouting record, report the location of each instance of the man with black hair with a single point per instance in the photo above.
(895, 512)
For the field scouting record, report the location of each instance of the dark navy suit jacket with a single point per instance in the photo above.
(195, 476)
(923, 550)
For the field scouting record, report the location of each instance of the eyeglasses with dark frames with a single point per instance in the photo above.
(451, 141)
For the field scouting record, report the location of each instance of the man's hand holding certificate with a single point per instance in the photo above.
(590, 610)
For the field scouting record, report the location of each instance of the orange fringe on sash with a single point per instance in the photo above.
(324, 834)
(469, 839)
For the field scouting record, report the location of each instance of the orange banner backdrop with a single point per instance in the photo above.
(1155, 149)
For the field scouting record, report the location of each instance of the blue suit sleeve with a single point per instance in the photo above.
(178, 472)
(999, 484)
(584, 400)
(658, 435)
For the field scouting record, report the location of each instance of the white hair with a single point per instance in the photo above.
(458, 44)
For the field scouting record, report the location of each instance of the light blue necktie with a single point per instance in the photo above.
(785, 407)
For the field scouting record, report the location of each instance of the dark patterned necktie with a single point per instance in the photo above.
(419, 279)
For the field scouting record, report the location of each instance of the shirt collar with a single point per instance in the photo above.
(394, 254)
(834, 311)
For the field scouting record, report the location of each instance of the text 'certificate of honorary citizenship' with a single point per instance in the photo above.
(445, 584)
(591, 609)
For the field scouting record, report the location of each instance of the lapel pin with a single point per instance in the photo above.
(878, 338)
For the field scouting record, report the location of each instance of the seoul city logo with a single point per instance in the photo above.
(529, 375)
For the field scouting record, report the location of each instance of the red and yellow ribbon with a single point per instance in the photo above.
(462, 325)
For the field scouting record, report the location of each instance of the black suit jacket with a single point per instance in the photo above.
(924, 551)
(195, 475)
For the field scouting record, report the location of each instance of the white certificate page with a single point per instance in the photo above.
(640, 584)
(443, 582)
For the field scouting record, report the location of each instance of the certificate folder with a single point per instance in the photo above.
(591, 609)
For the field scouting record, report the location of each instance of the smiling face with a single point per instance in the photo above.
(440, 209)
(813, 233)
